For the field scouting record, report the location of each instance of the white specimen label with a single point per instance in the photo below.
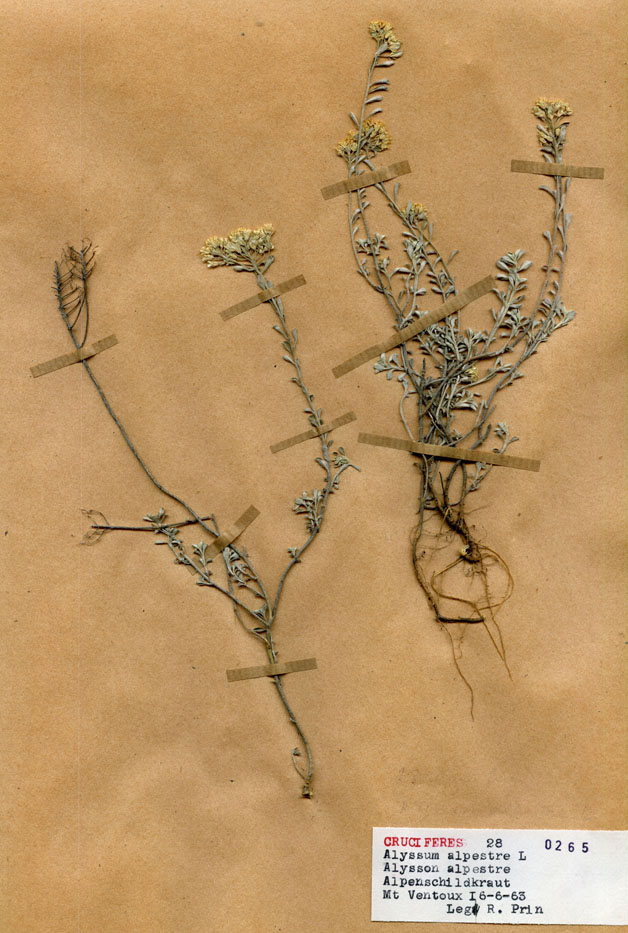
(500, 876)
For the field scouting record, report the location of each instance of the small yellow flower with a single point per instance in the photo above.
(546, 109)
(552, 129)
(375, 138)
(383, 34)
(415, 213)
(379, 29)
(237, 246)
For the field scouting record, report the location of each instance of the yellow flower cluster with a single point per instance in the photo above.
(552, 129)
(383, 34)
(551, 109)
(230, 250)
(375, 138)
(415, 213)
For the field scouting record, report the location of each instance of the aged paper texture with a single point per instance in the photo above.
(141, 791)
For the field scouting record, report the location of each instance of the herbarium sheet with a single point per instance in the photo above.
(156, 153)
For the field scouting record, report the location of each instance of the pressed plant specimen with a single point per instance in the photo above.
(450, 375)
(231, 572)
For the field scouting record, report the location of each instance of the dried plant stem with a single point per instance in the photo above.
(315, 419)
(456, 362)
(251, 601)
(71, 327)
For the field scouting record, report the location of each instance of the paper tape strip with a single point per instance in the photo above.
(556, 168)
(314, 432)
(451, 453)
(432, 317)
(262, 296)
(75, 357)
(271, 670)
(368, 178)
(223, 540)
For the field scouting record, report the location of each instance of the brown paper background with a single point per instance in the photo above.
(141, 791)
